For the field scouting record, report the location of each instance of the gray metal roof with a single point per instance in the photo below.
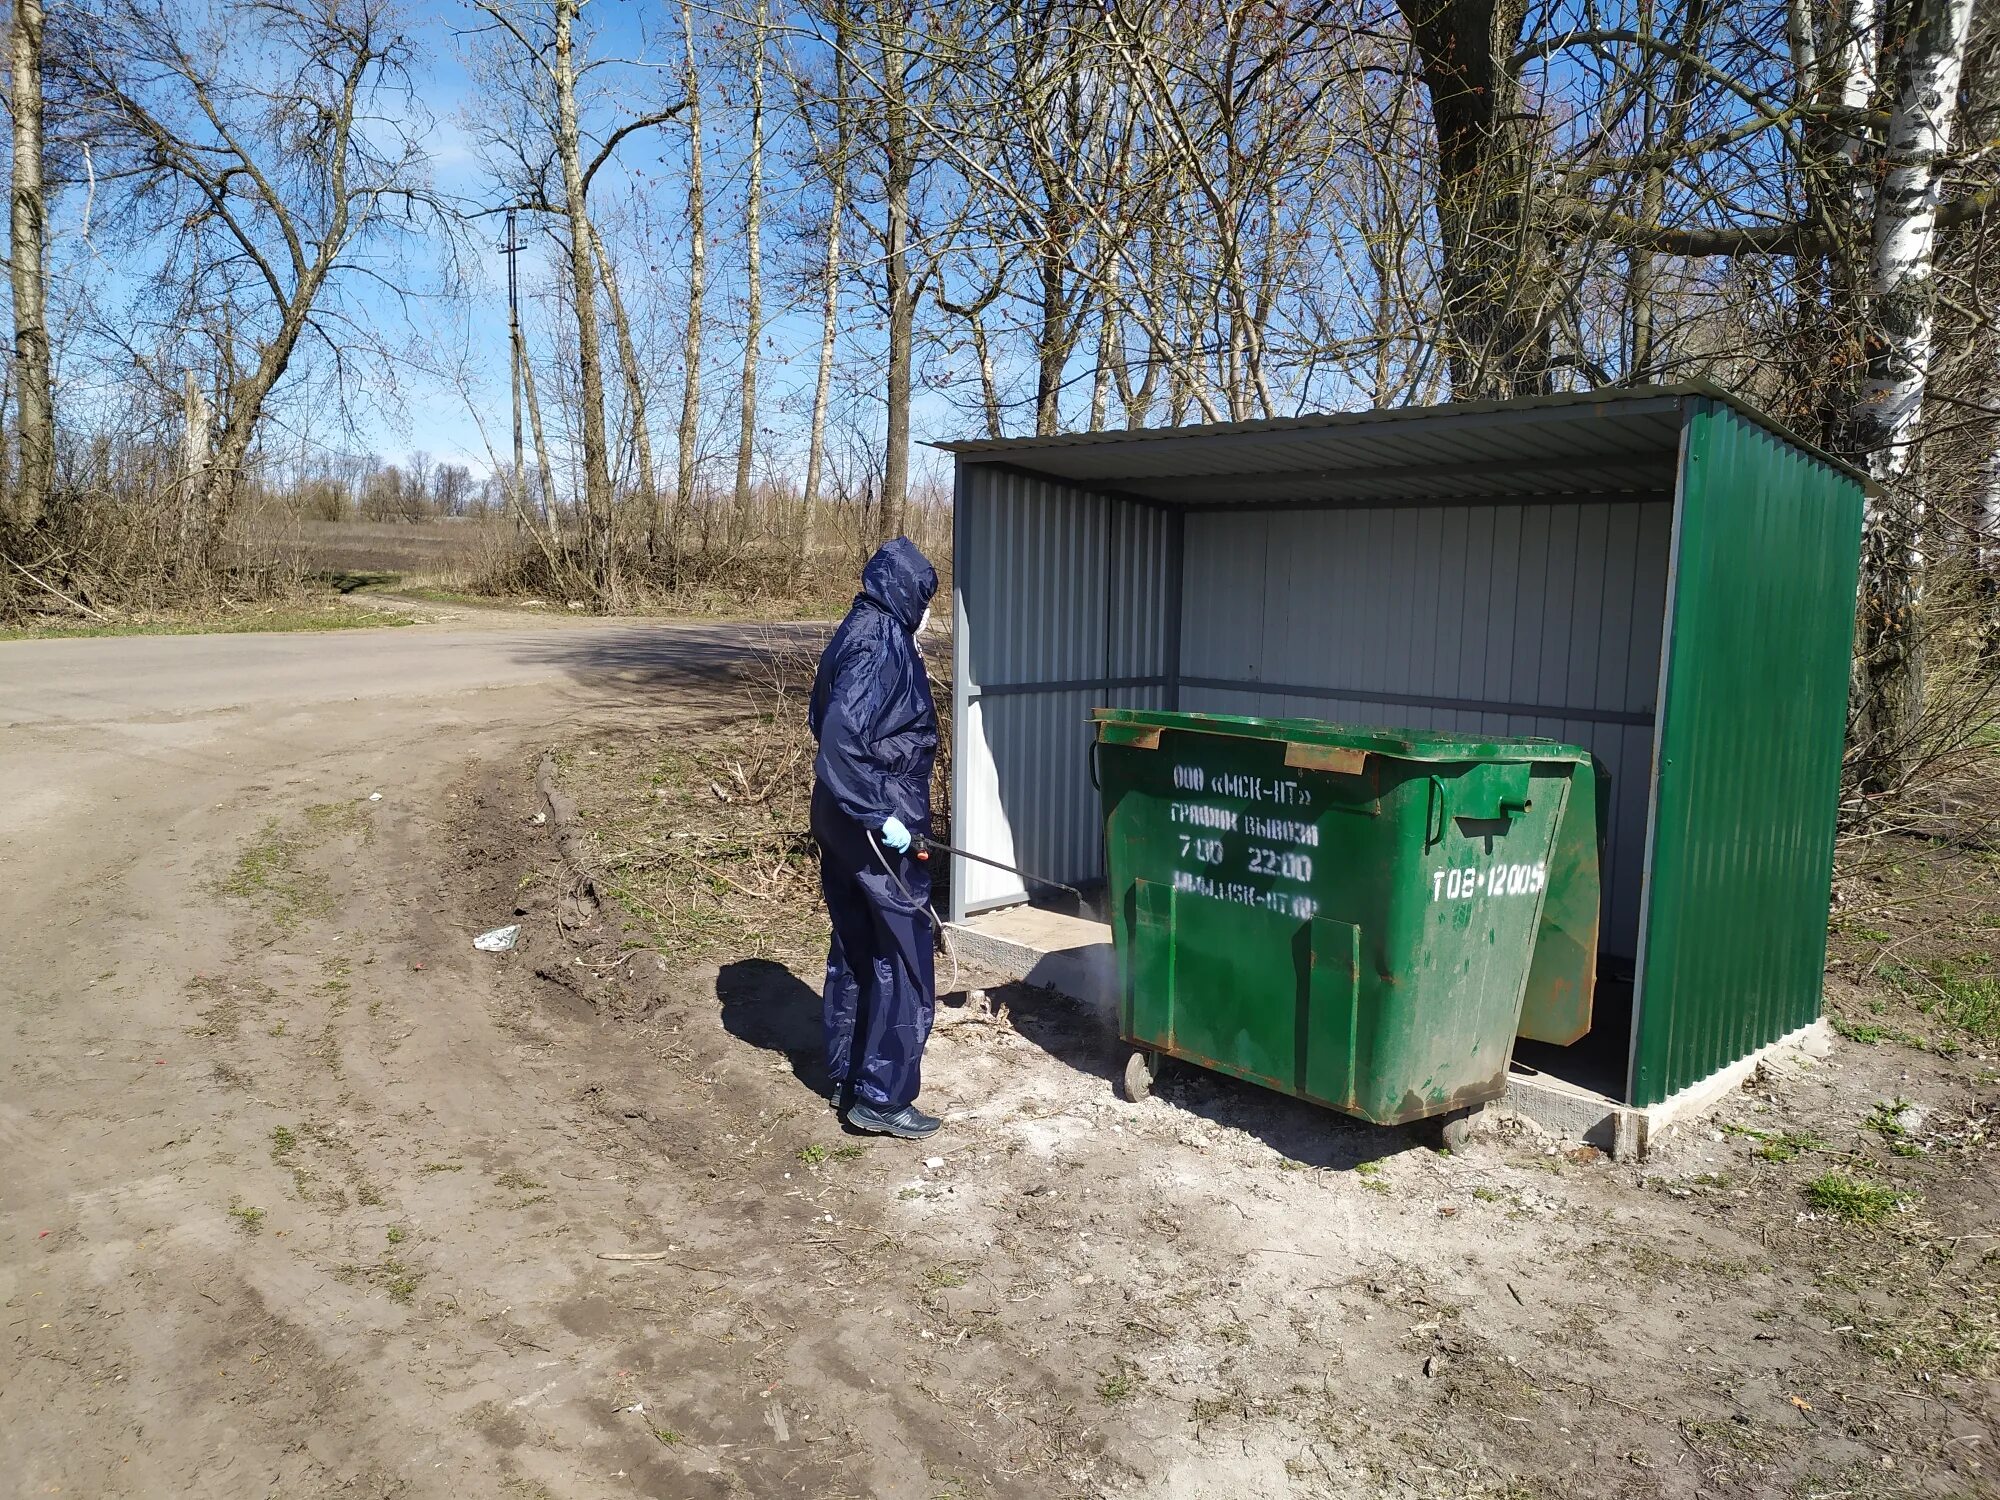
(1610, 443)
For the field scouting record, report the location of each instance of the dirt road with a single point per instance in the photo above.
(303, 1196)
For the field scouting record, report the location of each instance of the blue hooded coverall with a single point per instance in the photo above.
(877, 730)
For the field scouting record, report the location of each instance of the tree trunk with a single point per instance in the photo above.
(196, 423)
(899, 171)
(1666, 129)
(1888, 706)
(836, 177)
(590, 370)
(989, 383)
(35, 410)
(1841, 188)
(1110, 346)
(635, 388)
(549, 518)
(1056, 340)
(517, 357)
(753, 269)
(690, 433)
(1987, 582)
(1495, 274)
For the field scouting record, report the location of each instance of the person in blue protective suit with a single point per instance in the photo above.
(877, 730)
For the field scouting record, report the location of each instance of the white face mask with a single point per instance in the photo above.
(925, 623)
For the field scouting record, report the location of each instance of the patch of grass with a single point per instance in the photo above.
(849, 1152)
(249, 1220)
(330, 819)
(1120, 1383)
(444, 1166)
(1971, 1002)
(397, 1234)
(271, 870)
(1739, 1436)
(399, 1281)
(269, 873)
(1787, 1146)
(1960, 993)
(910, 1193)
(518, 1182)
(1869, 1034)
(1841, 1196)
(283, 1139)
(812, 1155)
(1489, 1195)
(667, 1437)
(942, 1279)
(287, 618)
(1884, 1119)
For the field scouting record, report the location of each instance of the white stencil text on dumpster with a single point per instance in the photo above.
(1258, 845)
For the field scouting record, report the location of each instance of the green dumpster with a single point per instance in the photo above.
(1359, 917)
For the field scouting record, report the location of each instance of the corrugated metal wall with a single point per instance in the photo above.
(1062, 606)
(1458, 618)
(1750, 748)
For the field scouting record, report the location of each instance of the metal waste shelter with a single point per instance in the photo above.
(1661, 575)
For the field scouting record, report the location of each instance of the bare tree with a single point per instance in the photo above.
(753, 258)
(697, 228)
(28, 261)
(835, 166)
(635, 389)
(262, 147)
(1492, 273)
(889, 33)
(1889, 662)
(559, 60)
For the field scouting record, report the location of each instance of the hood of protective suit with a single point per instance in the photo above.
(901, 580)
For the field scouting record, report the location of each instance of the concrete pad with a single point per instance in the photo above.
(1073, 957)
(1070, 956)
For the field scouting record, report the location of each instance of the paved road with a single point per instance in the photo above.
(109, 680)
(106, 741)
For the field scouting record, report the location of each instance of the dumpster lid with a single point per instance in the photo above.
(1402, 744)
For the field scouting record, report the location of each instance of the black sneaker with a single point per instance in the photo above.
(908, 1123)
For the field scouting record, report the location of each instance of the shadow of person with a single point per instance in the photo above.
(765, 1004)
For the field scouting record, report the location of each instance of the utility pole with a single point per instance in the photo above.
(512, 250)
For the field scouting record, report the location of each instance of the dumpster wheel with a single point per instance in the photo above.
(1142, 1071)
(1454, 1131)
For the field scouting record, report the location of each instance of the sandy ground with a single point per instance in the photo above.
(304, 1196)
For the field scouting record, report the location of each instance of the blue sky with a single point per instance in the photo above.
(450, 374)
(640, 208)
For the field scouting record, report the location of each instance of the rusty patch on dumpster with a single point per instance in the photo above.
(1341, 760)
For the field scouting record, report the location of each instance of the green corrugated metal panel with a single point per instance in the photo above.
(1755, 708)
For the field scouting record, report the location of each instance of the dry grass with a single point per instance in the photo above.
(706, 841)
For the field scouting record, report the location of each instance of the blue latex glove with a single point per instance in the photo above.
(896, 836)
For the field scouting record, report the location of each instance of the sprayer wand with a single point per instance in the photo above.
(923, 847)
